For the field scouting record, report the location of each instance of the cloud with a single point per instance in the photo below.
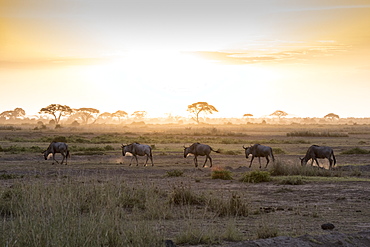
(274, 51)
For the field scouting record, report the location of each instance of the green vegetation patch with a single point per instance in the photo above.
(220, 173)
(315, 134)
(280, 169)
(356, 150)
(256, 177)
(14, 149)
(175, 173)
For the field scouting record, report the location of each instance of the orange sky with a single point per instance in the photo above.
(307, 58)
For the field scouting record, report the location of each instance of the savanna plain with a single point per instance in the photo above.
(99, 200)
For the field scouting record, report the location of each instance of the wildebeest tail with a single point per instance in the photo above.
(272, 156)
(68, 154)
(216, 151)
(335, 161)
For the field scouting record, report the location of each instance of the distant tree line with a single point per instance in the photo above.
(92, 115)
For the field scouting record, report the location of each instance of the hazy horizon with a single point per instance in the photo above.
(307, 58)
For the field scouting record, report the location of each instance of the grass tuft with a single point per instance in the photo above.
(256, 177)
(221, 173)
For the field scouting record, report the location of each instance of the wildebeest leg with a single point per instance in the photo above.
(131, 160)
(317, 162)
(330, 162)
(312, 160)
(54, 159)
(151, 159)
(267, 158)
(259, 160)
(251, 161)
(210, 160)
(147, 158)
(195, 161)
(137, 162)
(64, 156)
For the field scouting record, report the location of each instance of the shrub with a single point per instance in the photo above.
(355, 150)
(185, 196)
(234, 206)
(174, 173)
(221, 173)
(292, 180)
(280, 169)
(108, 148)
(59, 139)
(278, 151)
(256, 177)
(266, 231)
(316, 134)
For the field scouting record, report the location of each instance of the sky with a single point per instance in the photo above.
(307, 58)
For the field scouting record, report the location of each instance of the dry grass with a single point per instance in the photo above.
(98, 200)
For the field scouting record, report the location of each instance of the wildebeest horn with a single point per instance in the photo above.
(244, 147)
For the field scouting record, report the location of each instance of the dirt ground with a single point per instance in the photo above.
(296, 211)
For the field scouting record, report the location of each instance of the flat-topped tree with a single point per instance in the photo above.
(85, 114)
(57, 111)
(120, 114)
(279, 114)
(331, 116)
(197, 108)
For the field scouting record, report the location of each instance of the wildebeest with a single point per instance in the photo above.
(198, 149)
(258, 150)
(320, 152)
(138, 149)
(57, 147)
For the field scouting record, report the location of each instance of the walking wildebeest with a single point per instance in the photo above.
(320, 152)
(138, 149)
(258, 150)
(57, 147)
(199, 149)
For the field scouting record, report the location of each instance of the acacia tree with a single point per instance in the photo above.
(197, 108)
(57, 111)
(105, 116)
(17, 112)
(248, 115)
(120, 114)
(85, 114)
(279, 114)
(139, 114)
(331, 116)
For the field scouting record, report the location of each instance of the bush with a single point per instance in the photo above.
(280, 169)
(234, 206)
(266, 232)
(185, 196)
(174, 173)
(278, 151)
(316, 134)
(59, 139)
(292, 180)
(256, 177)
(220, 173)
(355, 150)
